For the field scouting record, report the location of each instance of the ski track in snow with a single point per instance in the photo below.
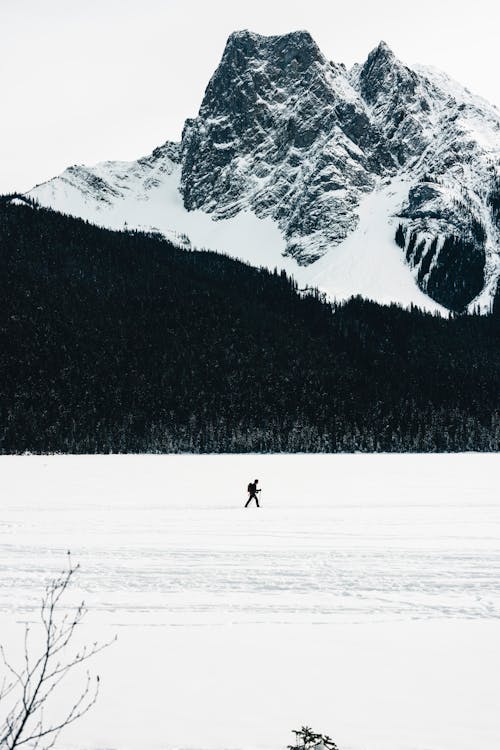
(365, 586)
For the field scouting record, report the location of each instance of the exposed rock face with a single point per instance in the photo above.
(286, 134)
(278, 133)
(387, 87)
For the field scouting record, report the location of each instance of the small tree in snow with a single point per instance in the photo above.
(25, 691)
(306, 739)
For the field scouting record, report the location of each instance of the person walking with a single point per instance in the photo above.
(252, 493)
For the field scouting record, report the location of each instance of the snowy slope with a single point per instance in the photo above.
(369, 262)
(289, 156)
(353, 269)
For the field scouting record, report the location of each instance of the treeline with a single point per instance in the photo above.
(494, 200)
(120, 342)
(454, 275)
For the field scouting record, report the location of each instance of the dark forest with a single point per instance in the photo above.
(120, 342)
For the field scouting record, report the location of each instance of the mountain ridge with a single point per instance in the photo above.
(291, 138)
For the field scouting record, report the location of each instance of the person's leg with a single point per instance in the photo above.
(248, 501)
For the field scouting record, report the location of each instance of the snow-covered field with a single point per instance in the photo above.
(362, 599)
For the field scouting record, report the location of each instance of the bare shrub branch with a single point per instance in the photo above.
(25, 692)
(306, 739)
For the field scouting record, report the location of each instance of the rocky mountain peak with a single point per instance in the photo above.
(382, 52)
(383, 74)
(278, 122)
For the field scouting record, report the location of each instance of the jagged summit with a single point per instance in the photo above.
(383, 75)
(297, 38)
(251, 59)
(246, 47)
(382, 50)
(341, 163)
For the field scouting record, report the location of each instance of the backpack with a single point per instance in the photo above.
(250, 488)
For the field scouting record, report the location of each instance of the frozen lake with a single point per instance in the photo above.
(363, 598)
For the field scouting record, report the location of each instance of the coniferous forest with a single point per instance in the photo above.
(120, 342)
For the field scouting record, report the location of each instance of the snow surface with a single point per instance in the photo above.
(19, 202)
(369, 262)
(362, 599)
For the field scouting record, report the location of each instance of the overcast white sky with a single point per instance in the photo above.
(87, 80)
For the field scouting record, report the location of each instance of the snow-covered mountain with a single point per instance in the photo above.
(381, 180)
